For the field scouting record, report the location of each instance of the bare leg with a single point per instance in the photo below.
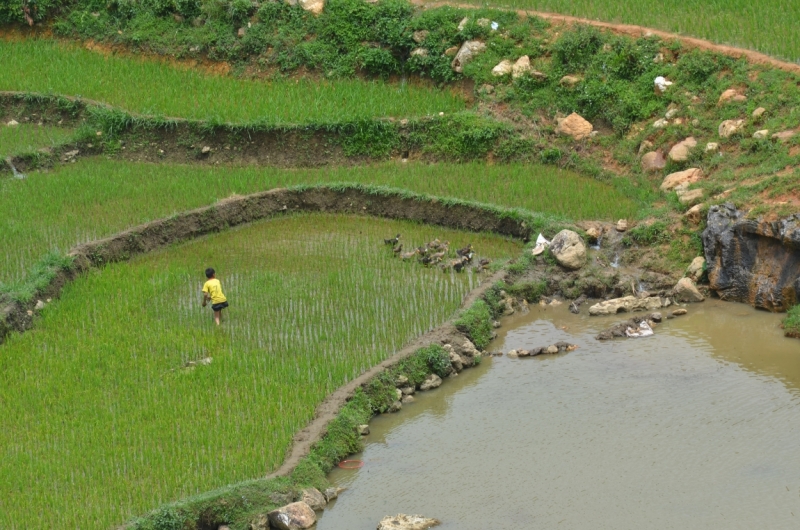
(217, 315)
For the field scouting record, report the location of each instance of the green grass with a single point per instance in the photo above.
(791, 324)
(95, 198)
(156, 88)
(767, 26)
(26, 138)
(98, 420)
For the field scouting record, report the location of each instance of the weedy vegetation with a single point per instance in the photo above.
(110, 406)
(26, 138)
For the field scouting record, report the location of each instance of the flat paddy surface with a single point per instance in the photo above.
(95, 197)
(26, 138)
(694, 428)
(153, 87)
(102, 415)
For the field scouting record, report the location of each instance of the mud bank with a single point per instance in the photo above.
(756, 262)
(235, 211)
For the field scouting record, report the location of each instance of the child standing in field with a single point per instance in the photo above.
(212, 291)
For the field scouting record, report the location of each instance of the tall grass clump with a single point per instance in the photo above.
(106, 410)
(156, 88)
(95, 198)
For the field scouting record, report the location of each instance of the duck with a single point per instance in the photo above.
(392, 241)
(464, 251)
(409, 255)
(398, 249)
(435, 244)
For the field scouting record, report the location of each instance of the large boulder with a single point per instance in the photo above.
(466, 53)
(294, 516)
(504, 67)
(653, 161)
(575, 126)
(315, 7)
(690, 197)
(568, 249)
(689, 176)
(680, 151)
(314, 498)
(521, 67)
(730, 127)
(406, 522)
(686, 291)
(626, 304)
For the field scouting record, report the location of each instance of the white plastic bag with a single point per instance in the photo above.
(541, 244)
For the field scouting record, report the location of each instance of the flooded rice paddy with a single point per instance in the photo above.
(695, 428)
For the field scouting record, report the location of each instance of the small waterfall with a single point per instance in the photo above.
(596, 246)
(615, 263)
(17, 174)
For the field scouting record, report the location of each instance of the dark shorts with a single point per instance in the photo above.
(219, 307)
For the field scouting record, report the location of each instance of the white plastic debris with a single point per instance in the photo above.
(541, 244)
(662, 84)
(644, 330)
(495, 25)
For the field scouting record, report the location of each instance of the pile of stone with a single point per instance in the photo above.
(558, 347)
(297, 515)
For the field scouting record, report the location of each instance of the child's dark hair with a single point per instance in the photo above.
(210, 272)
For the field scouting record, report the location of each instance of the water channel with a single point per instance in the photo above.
(697, 427)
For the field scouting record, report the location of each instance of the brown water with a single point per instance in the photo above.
(697, 427)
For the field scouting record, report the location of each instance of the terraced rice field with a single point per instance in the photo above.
(26, 138)
(96, 197)
(156, 88)
(99, 419)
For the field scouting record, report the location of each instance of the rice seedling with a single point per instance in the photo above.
(25, 138)
(156, 88)
(767, 27)
(95, 197)
(104, 416)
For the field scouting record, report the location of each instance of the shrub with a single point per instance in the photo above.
(791, 324)
(653, 234)
(476, 323)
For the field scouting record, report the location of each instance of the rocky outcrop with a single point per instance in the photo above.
(294, 516)
(653, 161)
(621, 330)
(575, 126)
(689, 176)
(753, 261)
(568, 249)
(406, 522)
(626, 304)
(431, 382)
(558, 347)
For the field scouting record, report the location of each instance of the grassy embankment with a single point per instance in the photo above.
(156, 88)
(766, 26)
(96, 197)
(99, 420)
(26, 138)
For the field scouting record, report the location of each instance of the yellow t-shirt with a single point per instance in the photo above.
(214, 290)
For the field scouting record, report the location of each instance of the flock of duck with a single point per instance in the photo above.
(435, 253)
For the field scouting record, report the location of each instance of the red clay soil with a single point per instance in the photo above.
(641, 31)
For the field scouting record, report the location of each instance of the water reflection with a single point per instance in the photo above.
(696, 427)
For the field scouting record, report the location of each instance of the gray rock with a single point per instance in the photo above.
(408, 390)
(401, 381)
(712, 147)
(406, 522)
(466, 53)
(679, 312)
(419, 52)
(294, 516)
(761, 135)
(431, 382)
(521, 67)
(363, 430)
(680, 151)
(569, 81)
(688, 176)
(553, 349)
(396, 406)
(420, 36)
(759, 112)
(568, 249)
(205, 150)
(686, 291)
(504, 67)
(621, 226)
(333, 493)
(407, 399)
(314, 498)
(39, 305)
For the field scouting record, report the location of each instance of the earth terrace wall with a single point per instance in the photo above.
(234, 211)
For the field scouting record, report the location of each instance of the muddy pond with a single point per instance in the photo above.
(697, 427)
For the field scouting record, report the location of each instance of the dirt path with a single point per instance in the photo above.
(640, 31)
